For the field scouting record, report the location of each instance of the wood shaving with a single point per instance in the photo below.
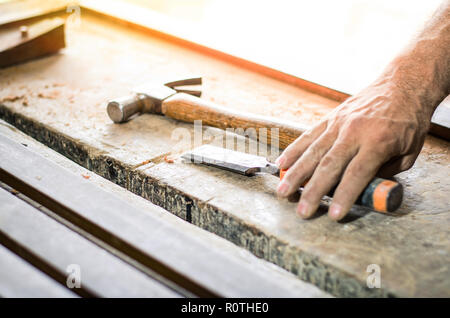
(169, 159)
(143, 163)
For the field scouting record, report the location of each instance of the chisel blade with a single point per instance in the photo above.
(238, 162)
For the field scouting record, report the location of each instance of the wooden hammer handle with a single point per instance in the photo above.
(188, 108)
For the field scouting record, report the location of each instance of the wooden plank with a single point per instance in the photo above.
(73, 121)
(300, 41)
(20, 279)
(241, 256)
(53, 248)
(159, 25)
(100, 213)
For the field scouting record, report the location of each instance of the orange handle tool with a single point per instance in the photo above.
(380, 194)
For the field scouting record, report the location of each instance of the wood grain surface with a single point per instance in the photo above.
(312, 75)
(60, 101)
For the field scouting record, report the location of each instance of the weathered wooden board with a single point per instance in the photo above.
(60, 101)
(243, 257)
(43, 240)
(20, 279)
(141, 235)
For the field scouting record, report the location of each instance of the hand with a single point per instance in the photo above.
(382, 130)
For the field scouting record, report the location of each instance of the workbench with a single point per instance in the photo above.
(60, 101)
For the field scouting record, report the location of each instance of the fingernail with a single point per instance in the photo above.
(283, 188)
(335, 211)
(302, 209)
(280, 160)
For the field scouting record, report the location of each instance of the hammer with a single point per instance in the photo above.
(185, 105)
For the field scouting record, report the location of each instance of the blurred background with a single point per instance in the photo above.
(340, 44)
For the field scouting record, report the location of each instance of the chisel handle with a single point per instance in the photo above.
(188, 108)
(380, 194)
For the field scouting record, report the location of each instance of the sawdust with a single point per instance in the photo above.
(11, 98)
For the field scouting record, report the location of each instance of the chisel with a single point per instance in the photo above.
(380, 194)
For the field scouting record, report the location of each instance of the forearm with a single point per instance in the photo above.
(422, 70)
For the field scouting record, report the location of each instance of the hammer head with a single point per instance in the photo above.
(148, 98)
